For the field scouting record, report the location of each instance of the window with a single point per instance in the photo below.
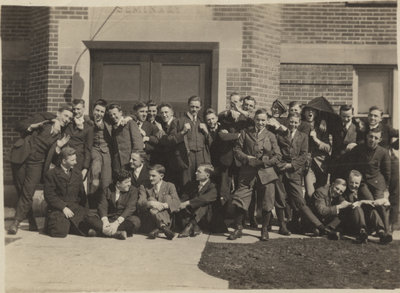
(373, 86)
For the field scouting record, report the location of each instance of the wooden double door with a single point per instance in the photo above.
(126, 77)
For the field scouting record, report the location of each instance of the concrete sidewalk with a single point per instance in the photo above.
(39, 263)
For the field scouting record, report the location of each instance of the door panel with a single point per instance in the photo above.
(129, 77)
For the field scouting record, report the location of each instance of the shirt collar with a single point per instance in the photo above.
(347, 125)
(191, 116)
(158, 186)
(138, 169)
(170, 121)
(66, 171)
(201, 184)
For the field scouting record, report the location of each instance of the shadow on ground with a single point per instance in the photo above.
(304, 263)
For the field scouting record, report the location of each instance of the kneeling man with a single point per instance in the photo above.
(198, 199)
(117, 209)
(66, 197)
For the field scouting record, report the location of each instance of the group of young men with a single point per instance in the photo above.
(154, 173)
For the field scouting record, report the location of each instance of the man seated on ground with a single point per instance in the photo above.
(65, 196)
(354, 220)
(329, 205)
(116, 211)
(159, 200)
(198, 198)
(138, 168)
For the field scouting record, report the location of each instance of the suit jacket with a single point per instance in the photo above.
(124, 207)
(61, 189)
(166, 194)
(125, 140)
(81, 141)
(154, 135)
(374, 165)
(262, 146)
(341, 138)
(324, 203)
(23, 146)
(294, 151)
(143, 175)
(228, 140)
(183, 148)
(388, 133)
(198, 198)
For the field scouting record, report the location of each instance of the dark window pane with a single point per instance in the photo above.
(121, 82)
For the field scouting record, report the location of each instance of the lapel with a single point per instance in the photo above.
(262, 136)
(204, 188)
(108, 127)
(162, 190)
(295, 137)
(61, 174)
(252, 133)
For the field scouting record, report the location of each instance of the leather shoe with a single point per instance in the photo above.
(187, 231)
(196, 230)
(32, 224)
(362, 237)
(264, 234)
(92, 233)
(237, 233)
(13, 229)
(121, 235)
(253, 223)
(284, 231)
(153, 234)
(384, 237)
(334, 235)
(170, 235)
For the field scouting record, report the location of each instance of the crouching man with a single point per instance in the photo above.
(159, 200)
(66, 198)
(198, 199)
(116, 211)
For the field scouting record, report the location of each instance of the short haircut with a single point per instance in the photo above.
(142, 154)
(121, 175)
(346, 108)
(194, 98)
(355, 173)
(294, 103)
(373, 108)
(66, 152)
(168, 105)
(139, 106)
(340, 181)
(78, 101)
(296, 115)
(375, 130)
(233, 94)
(250, 98)
(114, 106)
(65, 107)
(100, 102)
(211, 111)
(158, 168)
(151, 104)
(208, 168)
(260, 111)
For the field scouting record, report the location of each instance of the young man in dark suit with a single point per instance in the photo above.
(294, 148)
(373, 162)
(150, 132)
(117, 210)
(197, 201)
(193, 150)
(138, 168)
(65, 196)
(126, 137)
(39, 134)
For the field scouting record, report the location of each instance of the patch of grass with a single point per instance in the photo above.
(304, 263)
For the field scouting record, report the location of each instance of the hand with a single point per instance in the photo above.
(160, 206)
(224, 131)
(287, 166)
(107, 229)
(350, 146)
(386, 194)
(154, 211)
(145, 138)
(235, 114)
(381, 202)
(184, 205)
(186, 127)
(253, 162)
(356, 204)
(344, 204)
(56, 128)
(84, 173)
(63, 141)
(313, 134)
(114, 227)
(152, 204)
(250, 157)
(37, 125)
(68, 213)
(203, 127)
(125, 120)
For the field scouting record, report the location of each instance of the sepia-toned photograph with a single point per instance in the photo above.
(200, 147)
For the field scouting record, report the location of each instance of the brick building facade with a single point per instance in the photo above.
(290, 51)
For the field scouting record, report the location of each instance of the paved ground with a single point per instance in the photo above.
(38, 263)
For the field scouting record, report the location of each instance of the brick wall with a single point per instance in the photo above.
(336, 23)
(259, 74)
(303, 82)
